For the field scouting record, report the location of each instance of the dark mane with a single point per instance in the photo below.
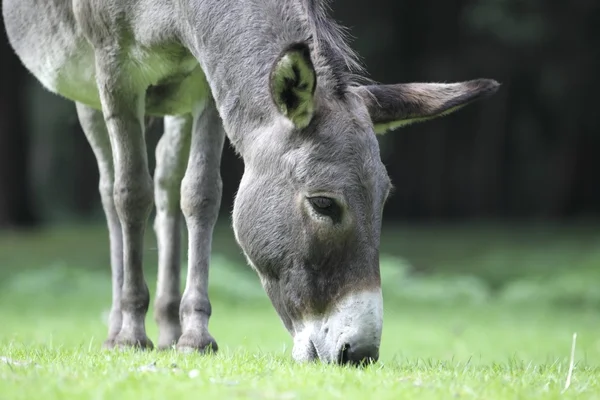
(333, 53)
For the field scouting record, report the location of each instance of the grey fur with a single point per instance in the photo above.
(92, 123)
(172, 153)
(208, 67)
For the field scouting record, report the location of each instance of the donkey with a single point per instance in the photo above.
(276, 77)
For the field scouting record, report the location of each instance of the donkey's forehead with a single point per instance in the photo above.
(344, 126)
(340, 152)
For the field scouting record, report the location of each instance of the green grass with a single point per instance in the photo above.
(454, 326)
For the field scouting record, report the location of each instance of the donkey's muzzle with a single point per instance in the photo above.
(350, 333)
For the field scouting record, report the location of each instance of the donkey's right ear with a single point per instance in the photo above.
(293, 81)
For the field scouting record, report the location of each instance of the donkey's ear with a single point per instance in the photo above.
(293, 83)
(394, 106)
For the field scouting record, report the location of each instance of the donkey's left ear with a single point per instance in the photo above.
(293, 82)
(394, 106)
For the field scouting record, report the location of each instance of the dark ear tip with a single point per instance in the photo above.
(485, 87)
(298, 47)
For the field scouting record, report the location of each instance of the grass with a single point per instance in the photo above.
(448, 333)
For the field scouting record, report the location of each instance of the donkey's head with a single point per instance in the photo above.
(308, 210)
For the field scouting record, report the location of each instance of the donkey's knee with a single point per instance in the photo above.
(106, 188)
(167, 193)
(201, 195)
(171, 160)
(133, 198)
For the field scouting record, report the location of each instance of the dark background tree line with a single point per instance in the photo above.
(528, 152)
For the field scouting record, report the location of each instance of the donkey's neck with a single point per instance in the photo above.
(237, 44)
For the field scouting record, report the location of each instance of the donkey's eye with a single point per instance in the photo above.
(321, 203)
(325, 206)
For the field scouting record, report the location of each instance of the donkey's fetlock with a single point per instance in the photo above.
(166, 315)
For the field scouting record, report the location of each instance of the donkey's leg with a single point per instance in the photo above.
(172, 155)
(200, 202)
(92, 123)
(123, 107)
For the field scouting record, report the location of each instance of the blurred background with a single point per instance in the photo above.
(498, 197)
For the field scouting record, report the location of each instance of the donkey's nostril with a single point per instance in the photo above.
(358, 355)
(343, 358)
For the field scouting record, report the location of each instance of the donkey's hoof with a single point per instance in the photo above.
(168, 340)
(109, 344)
(201, 342)
(163, 346)
(142, 343)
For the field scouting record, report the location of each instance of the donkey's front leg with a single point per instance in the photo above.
(123, 107)
(172, 155)
(200, 202)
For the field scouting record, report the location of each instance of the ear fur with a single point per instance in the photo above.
(293, 82)
(394, 106)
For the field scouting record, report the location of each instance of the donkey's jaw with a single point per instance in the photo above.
(349, 333)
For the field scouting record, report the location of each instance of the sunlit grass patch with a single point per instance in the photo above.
(85, 373)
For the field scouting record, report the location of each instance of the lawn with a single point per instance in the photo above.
(470, 312)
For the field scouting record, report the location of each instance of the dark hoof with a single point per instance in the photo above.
(165, 347)
(168, 340)
(203, 343)
(141, 343)
(109, 344)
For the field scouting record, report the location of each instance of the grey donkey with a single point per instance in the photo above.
(276, 77)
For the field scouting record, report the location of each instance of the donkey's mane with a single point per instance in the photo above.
(332, 51)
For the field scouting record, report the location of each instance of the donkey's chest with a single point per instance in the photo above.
(172, 80)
